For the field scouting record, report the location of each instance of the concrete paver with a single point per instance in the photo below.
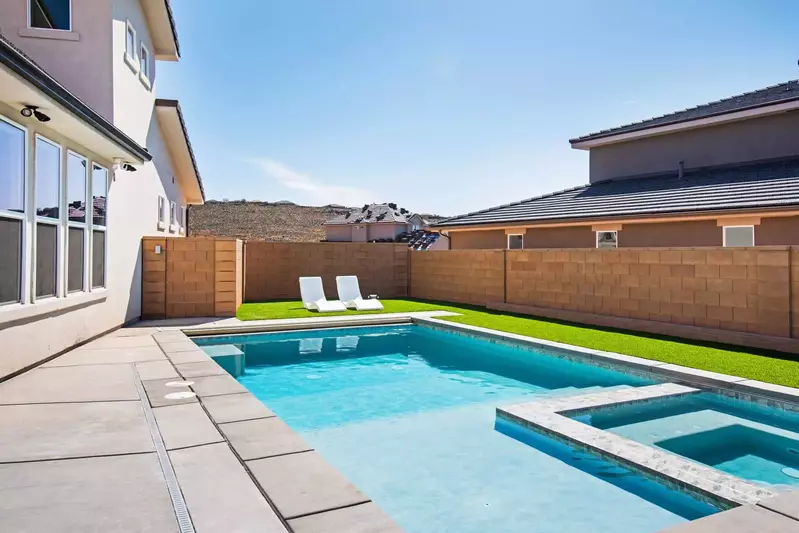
(157, 390)
(185, 425)
(104, 343)
(195, 355)
(180, 346)
(363, 518)
(219, 493)
(121, 494)
(83, 356)
(156, 370)
(745, 519)
(304, 483)
(235, 408)
(786, 503)
(264, 437)
(217, 385)
(51, 431)
(89, 383)
(196, 370)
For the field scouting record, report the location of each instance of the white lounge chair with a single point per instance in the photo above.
(313, 296)
(349, 292)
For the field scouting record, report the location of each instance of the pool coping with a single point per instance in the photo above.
(552, 417)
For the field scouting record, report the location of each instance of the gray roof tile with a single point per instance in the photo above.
(784, 92)
(374, 214)
(772, 184)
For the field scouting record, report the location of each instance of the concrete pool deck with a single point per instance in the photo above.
(97, 440)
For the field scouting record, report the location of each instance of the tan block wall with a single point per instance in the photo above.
(462, 276)
(191, 277)
(272, 269)
(741, 289)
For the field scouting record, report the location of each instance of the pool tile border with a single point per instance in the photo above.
(551, 417)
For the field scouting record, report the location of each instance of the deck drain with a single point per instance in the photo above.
(182, 395)
(791, 472)
(180, 384)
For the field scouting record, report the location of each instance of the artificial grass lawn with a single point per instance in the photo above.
(772, 367)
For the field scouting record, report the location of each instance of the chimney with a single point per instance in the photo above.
(681, 169)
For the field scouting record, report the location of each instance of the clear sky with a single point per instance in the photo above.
(448, 106)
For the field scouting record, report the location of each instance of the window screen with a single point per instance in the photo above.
(515, 242)
(98, 259)
(46, 259)
(50, 14)
(739, 236)
(10, 260)
(75, 257)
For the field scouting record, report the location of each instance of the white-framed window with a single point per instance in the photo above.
(47, 199)
(77, 237)
(515, 241)
(99, 245)
(173, 216)
(130, 47)
(50, 14)
(144, 64)
(183, 219)
(738, 236)
(161, 212)
(607, 239)
(13, 229)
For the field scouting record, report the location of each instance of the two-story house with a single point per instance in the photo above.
(90, 162)
(720, 174)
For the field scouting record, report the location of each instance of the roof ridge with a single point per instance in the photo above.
(539, 197)
(696, 107)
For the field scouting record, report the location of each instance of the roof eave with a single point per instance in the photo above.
(183, 148)
(163, 29)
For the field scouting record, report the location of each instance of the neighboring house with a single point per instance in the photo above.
(720, 174)
(382, 223)
(80, 126)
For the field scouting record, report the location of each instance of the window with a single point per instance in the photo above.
(182, 218)
(12, 210)
(173, 216)
(739, 236)
(161, 212)
(99, 219)
(130, 41)
(144, 63)
(515, 242)
(47, 192)
(607, 239)
(77, 174)
(50, 14)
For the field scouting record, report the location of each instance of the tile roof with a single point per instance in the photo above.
(165, 102)
(373, 214)
(776, 94)
(758, 185)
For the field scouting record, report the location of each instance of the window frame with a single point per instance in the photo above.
(173, 216)
(161, 211)
(131, 57)
(724, 235)
(607, 247)
(27, 226)
(30, 19)
(96, 227)
(57, 222)
(144, 64)
(85, 225)
(507, 240)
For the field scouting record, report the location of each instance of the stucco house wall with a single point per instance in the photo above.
(338, 233)
(754, 139)
(385, 231)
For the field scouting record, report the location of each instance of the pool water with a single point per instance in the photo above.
(408, 414)
(745, 439)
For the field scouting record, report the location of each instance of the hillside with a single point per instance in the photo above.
(262, 220)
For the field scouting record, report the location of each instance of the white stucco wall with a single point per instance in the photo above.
(132, 211)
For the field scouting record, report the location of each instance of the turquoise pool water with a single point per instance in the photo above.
(748, 440)
(408, 414)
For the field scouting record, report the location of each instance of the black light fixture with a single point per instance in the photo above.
(128, 167)
(32, 110)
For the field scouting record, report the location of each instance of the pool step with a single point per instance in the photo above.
(228, 356)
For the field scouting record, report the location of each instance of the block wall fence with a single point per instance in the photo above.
(718, 294)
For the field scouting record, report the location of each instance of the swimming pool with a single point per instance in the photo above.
(742, 438)
(408, 414)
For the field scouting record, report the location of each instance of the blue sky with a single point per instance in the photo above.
(447, 106)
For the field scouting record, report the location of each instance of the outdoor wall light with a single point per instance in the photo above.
(32, 110)
(128, 167)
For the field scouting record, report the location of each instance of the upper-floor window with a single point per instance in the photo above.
(130, 41)
(144, 62)
(161, 212)
(50, 14)
(173, 216)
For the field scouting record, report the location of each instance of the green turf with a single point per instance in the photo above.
(772, 367)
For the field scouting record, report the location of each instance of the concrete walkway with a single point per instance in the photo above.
(96, 441)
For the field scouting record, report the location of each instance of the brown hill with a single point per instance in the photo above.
(279, 221)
